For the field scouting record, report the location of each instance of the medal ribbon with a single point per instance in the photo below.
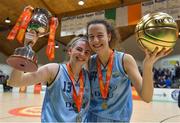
(104, 88)
(77, 97)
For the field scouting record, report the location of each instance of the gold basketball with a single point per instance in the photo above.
(156, 30)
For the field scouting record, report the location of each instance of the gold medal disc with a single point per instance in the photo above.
(78, 119)
(104, 105)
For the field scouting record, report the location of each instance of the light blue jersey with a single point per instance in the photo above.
(58, 105)
(118, 105)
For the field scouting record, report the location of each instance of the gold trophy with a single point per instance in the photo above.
(24, 58)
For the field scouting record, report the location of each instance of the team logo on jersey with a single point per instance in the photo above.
(72, 106)
(96, 93)
(115, 74)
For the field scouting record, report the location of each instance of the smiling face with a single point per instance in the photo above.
(98, 37)
(79, 52)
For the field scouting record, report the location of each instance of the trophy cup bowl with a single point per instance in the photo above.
(40, 22)
(24, 58)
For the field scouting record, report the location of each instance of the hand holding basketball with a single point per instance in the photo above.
(152, 57)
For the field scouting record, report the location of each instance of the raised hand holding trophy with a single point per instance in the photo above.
(24, 58)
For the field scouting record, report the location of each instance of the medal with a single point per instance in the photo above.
(104, 87)
(78, 118)
(77, 97)
(104, 105)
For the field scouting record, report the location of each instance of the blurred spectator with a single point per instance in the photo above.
(177, 70)
(179, 99)
(176, 80)
(155, 71)
(2, 77)
(3, 81)
(5, 86)
(161, 82)
(172, 74)
(168, 82)
(167, 77)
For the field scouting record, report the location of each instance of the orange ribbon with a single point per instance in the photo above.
(21, 25)
(77, 97)
(104, 89)
(50, 50)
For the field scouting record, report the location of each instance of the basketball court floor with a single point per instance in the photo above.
(24, 107)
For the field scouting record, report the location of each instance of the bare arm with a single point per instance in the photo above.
(143, 85)
(131, 68)
(45, 73)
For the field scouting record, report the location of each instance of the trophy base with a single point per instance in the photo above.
(22, 63)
